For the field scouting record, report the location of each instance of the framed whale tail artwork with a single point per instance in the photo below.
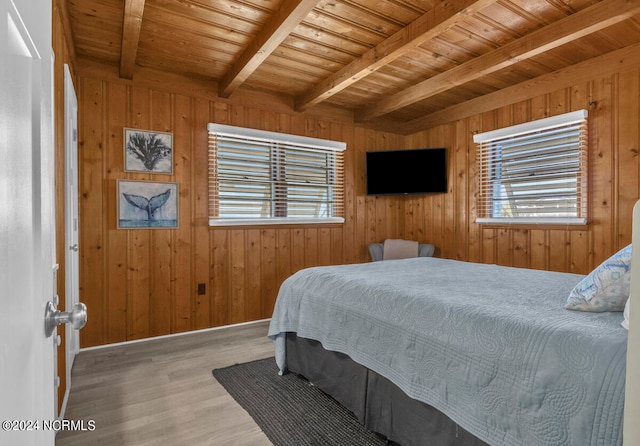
(147, 204)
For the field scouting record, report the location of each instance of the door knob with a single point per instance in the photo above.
(53, 317)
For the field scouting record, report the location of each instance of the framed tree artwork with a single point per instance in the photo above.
(148, 151)
(147, 204)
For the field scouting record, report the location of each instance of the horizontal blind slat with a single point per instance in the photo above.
(537, 173)
(268, 178)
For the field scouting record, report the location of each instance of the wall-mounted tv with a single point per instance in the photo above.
(412, 171)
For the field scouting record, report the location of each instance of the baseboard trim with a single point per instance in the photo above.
(184, 333)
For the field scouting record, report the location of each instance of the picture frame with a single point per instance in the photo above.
(148, 151)
(147, 204)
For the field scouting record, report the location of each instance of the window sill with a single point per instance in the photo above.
(273, 221)
(534, 223)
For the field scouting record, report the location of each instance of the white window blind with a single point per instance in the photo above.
(258, 177)
(534, 172)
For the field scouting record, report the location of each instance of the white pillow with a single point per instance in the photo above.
(606, 288)
(625, 322)
(399, 249)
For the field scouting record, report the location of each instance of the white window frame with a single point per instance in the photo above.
(529, 170)
(271, 176)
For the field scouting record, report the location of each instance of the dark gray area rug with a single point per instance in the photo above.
(290, 410)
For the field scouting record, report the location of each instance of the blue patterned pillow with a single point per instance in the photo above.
(606, 288)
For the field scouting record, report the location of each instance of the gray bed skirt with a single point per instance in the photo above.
(378, 403)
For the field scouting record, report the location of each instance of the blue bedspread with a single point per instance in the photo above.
(492, 347)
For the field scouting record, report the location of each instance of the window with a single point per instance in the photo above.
(534, 172)
(258, 177)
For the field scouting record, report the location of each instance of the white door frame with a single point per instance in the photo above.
(72, 284)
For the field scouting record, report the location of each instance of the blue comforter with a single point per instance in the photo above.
(490, 346)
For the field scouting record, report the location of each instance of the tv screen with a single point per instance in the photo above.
(416, 171)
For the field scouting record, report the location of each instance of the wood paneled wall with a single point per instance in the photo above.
(142, 283)
(613, 104)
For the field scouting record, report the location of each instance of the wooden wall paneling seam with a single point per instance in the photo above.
(284, 258)
(627, 129)
(538, 249)
(218, 284)
(374, 232)
(425, 215)
(104, 230)
(358, 231)
(615, 155)
(269, 273)
(579, 252)
(183, 286)
(140, 239)
(371, 202)
(91, 180)
(458, 183)
(578, 97)
(310, 246)
(504, 246)
(558, 250)
(297, 250)
(200, 233)
(162, 263)
(324, 245)
(443, 227)
(117, 240)
(253, 274)
(474, 247)
(338, 251)
(238, 288)
(601, 162)
(170, 269)
(194, 220)
(220, 275)
(450, 218)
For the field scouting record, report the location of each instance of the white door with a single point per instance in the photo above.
(27, 220)
(72, 283)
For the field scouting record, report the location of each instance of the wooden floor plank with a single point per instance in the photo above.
(161, 391)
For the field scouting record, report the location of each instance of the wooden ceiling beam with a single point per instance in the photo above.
(575, 26)
(428, 26)
(290, 14)
(132, 22)
(624, 59)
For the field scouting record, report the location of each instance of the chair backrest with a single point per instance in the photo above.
(376, 250)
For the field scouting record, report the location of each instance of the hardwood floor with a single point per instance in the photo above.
(161, 391)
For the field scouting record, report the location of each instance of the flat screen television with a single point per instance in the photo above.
(412, 171)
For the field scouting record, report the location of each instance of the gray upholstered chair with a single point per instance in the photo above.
(376, 250)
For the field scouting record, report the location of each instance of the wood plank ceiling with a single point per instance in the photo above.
(392, 62)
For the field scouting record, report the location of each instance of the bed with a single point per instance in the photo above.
(438, 351)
